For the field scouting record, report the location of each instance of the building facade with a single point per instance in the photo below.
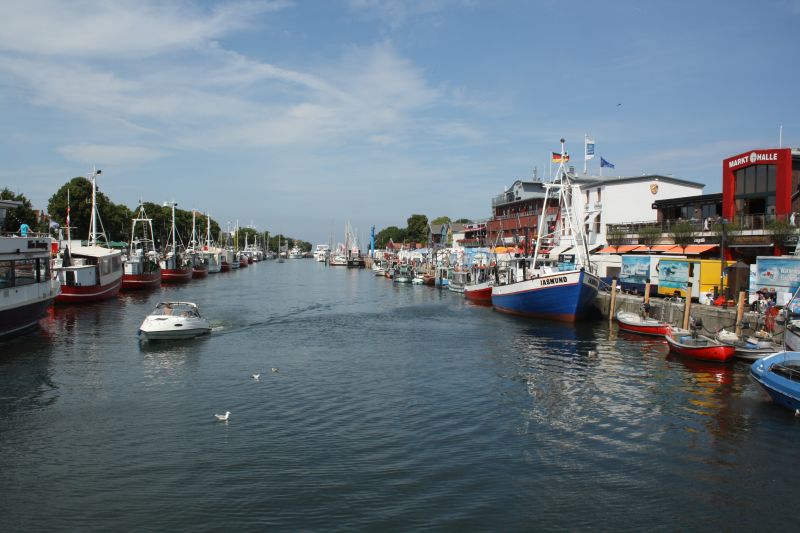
(598, 201)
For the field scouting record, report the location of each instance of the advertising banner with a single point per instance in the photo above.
(635, 269)
(674, 274)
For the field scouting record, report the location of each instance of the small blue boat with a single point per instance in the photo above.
(779, 374)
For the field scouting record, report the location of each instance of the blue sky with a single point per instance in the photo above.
(299, 116)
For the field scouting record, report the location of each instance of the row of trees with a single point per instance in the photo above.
(116, 218)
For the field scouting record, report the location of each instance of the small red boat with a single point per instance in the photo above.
(199, 269)
(176, 275)
(690, 344)
(480, 293)
(145, 280)
(635, 323)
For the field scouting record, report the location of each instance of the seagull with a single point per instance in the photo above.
(592, 352)
(223, 418)
(274, 369)
(256, 376)
(797, 412)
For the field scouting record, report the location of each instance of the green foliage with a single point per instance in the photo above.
(441, 220)
(115, 219)
(394, 233)
(462, 221)
(615, 236)
(417, 229)
(683, 234)
(782, 233)
(19, 215)
(649, 236)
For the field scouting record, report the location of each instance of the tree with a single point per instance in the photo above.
(615, 237)
(394, 233)
(417, 229)
(649, 236)
(23, 214)
(782, 233)
(462, 221)
(683, 234)
(441, 220)
(80, 205)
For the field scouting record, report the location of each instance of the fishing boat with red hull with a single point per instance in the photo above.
(479, 293)
(689, 343)
(636, 323)
(89, 273)
(175, 268)
(140, 268)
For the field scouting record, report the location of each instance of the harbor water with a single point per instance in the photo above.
(394, 407)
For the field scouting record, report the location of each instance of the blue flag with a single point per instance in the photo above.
(604, 163)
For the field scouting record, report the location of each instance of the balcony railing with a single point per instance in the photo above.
(741, 222)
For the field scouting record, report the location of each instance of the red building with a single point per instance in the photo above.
(760, 186)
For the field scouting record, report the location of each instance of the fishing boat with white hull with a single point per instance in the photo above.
(534, 287)
(26, 287)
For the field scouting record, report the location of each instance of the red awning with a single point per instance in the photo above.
(618, 249)
(693, 249)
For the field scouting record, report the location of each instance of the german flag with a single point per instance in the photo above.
(557, 158)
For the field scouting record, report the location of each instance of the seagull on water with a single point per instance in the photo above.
(223, 418)
(274, 369)
(256, 376)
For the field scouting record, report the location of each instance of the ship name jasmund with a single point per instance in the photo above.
(554, 281)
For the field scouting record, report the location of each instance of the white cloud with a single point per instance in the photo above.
(109, 155)
(110, 29)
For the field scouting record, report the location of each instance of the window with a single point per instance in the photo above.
(24, 273)
(761, 178)
(6, 274)
(750, 179)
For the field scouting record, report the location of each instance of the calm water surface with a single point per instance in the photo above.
(395, 408)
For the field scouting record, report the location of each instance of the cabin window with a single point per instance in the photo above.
(24, 273)
(116, 263)
(6, 274)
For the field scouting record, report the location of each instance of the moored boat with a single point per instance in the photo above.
(779, 375)
(748, 348)
(140, 268)
(90, 273)
(174, 320)
(479, 292)
(691, 344)
(636, 323)
(175, 267)
(26, 287)
(536, 287)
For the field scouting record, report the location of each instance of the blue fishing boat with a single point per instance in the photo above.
(779, 374)
(550, 287)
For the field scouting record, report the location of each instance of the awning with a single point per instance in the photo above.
(693, 249)
(659, 248)
(618, 249)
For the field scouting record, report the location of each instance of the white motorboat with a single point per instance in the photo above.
(174, 320)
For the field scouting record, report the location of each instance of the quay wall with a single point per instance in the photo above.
(714, 318)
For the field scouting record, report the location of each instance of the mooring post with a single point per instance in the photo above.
(613, 299)
(740, 313)
(687, 306)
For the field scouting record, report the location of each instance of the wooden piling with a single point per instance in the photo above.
(687, 306)
(740, 313)
(613, 300)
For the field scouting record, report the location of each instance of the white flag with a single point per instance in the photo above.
(589, 152)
